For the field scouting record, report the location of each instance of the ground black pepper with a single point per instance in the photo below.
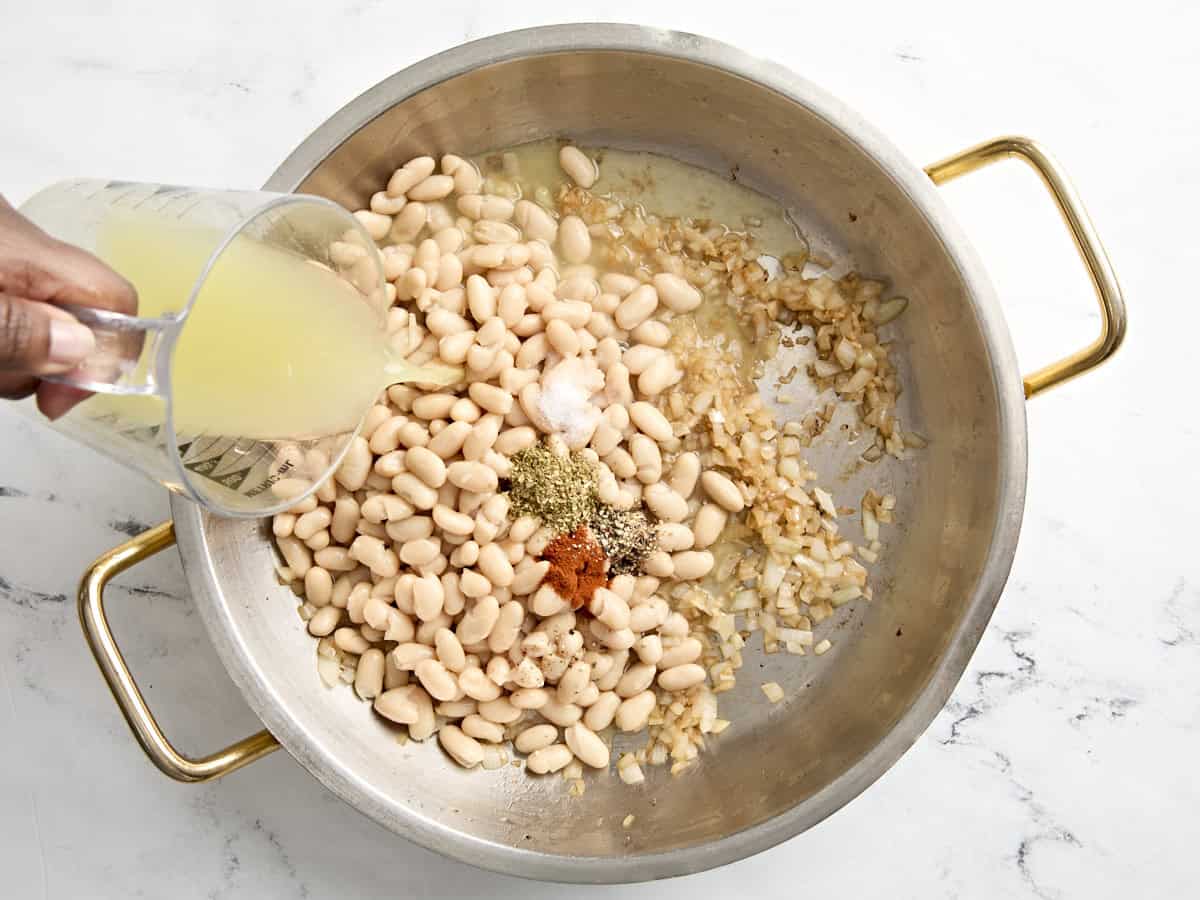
(626, 536)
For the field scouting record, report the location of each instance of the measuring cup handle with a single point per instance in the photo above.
(125, 355)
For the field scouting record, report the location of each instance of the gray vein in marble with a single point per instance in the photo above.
(1012, 681)
(1179, 604)
(129, 526)
(26, 597)
(206, 803)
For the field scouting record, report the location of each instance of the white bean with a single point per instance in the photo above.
(476, 685)
(324, 621)
(513, 440)
(486, 206)
(449, 441)
(710, 522)
(673, 536)
(477, 623)
(674, 626)
(535, 222)
(464, 749)
(472, 476)
(640, 357)
(473, 584)
(375, 555)
(560, 714)
(647, 457)
(437, 680)
(609, 608)
(665, 503)
(562, 337)
(408, 223)
(691, 564)
(449, 650)
(426, 465)
(429, 597)
(335, 559)
(637, 307)
(529, 698)
(660, 375)
(600, 714)
(549, 759)
(355, 466)
(376, 224)
(420, 552)
(500, 711)
(368, 675)
(410, 488)
(658, 563)
(649, 649)
(411, 173)
(478, 727)
(398, 705)
(650, 421)
(345, 516)
(687, 650)
(574, 239)
(685, 472)
(535, 738)
(434, 187)
(572, 683)
(350, 640)
(633, 712)
(508, 626)
(681, 678)
(722, 491)
(676, 294)
(651, 333)
(525, 581)
(587, 746)
(578, 166)
(383, 203)
(494, 564)
(318, 586)
(491, 398)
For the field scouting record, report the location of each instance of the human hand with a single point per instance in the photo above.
(36, 337)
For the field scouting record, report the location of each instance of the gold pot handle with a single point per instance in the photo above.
(125, 690)
(1070, 207)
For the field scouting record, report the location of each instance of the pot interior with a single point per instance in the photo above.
(837, 729)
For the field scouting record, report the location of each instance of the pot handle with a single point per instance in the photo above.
(1070, 207)
(125, 690)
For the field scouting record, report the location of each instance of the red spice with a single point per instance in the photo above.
(577, 566)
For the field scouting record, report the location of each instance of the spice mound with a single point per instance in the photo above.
(577, 566)
(558, 489)
(627, 537)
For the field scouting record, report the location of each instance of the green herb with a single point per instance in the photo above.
(626, 536)
(559, 490)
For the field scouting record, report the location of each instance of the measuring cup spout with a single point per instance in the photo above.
(125, 355)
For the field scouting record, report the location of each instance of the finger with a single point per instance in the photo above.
(14, 387)
(39, 267)
(37, 341)
(56, 399)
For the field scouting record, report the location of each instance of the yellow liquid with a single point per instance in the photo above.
(275, 347)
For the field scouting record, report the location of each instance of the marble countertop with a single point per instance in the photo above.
(1063, 766)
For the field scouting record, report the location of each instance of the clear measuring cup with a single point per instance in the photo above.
(259, 343)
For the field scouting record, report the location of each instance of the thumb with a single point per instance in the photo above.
(38, 339)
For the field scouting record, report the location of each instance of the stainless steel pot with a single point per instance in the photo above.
(849, 714)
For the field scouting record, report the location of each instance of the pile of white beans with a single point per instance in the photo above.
(420, 586)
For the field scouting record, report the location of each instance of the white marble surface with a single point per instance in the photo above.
(1063, 766)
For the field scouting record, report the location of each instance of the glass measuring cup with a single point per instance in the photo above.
(259, 344)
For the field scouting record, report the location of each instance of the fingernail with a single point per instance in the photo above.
(70, 342)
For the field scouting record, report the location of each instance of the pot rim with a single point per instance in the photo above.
(200, 566)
